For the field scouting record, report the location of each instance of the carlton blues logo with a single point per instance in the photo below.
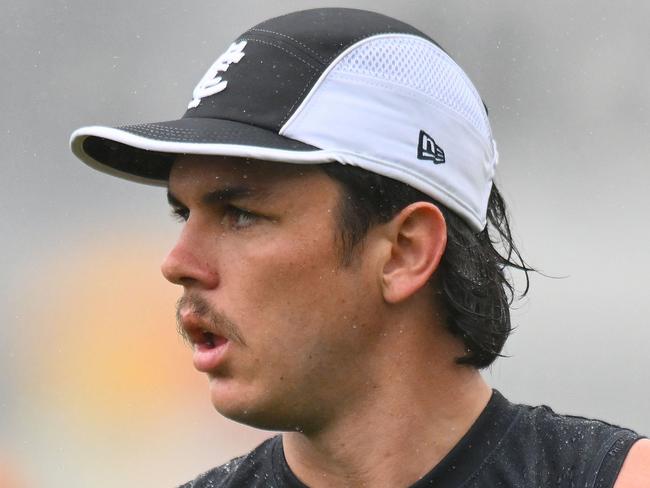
(429, 150)
(212, 83)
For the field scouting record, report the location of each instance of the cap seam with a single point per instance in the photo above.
(303, 45)
(164, 131)
(278, 46)
(300, 98)
(162, 128)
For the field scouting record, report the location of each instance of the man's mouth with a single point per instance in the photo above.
(208, 341)
(209, 351)
(207, 345)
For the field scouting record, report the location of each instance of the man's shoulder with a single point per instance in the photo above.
(573, 447)
(252, 469)
(544, 424)
(520, 445)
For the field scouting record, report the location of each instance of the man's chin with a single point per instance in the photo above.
(249, 410)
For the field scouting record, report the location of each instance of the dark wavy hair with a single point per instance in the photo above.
(472, 278)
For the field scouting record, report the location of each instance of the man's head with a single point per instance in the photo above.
(334, 175)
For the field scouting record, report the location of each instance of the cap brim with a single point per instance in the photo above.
(145, 152)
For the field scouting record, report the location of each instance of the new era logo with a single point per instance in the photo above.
(429, 150)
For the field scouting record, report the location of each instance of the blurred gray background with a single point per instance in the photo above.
(96, 390)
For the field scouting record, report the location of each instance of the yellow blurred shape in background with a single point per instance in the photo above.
(107, 387)
(111, 352)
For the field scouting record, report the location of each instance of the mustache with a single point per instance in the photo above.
(216, 322)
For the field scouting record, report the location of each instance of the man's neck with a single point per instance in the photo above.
(394, 437)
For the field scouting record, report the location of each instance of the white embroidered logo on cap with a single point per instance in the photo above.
(211, 83)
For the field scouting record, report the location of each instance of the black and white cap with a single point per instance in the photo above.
(318, 86)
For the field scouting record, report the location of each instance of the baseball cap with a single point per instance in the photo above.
(324, 85)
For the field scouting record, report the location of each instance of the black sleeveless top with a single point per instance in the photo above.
(508, 446)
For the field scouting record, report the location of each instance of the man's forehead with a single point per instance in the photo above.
(198, 169)
(195, 174)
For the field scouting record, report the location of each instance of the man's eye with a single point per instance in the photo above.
(180, 214)
(238, 218)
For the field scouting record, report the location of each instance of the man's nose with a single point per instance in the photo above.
(188, 264)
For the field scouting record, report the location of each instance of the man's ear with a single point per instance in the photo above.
(418, 237)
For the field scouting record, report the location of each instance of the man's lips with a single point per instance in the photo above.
(208, 356)
(207, 343)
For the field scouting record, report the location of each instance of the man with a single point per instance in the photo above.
(333, 173)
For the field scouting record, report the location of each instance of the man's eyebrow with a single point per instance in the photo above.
(232, 193)
(173, 201)
(224, 194)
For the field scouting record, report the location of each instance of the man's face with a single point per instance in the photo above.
(281, 328)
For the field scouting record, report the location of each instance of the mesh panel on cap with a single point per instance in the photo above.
(420, 65)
